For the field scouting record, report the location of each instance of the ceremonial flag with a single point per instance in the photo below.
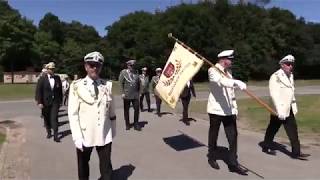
(181, 66)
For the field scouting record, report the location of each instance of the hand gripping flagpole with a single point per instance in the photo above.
(212, 65)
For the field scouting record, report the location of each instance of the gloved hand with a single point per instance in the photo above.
(40, 106)
(241, 85)
(282, 116)
(79, 144)
(123, 95)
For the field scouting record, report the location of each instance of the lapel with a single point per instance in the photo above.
(284, 79)
(103, 90)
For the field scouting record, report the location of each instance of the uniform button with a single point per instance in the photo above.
(98, 124)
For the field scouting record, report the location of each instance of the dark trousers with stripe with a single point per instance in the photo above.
(185, 104)
(290, 126)
(126, 107)
(147, 95)
(104, 153)
(230, 128)
(158, 103)
(50, 116)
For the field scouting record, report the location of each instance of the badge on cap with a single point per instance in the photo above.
(94, 57)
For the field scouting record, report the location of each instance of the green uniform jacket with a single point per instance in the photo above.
(129, 84)
(154, 82)
(144, 83)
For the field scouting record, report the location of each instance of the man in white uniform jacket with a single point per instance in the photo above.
(222, 107)
(91, 113)
(281, 87)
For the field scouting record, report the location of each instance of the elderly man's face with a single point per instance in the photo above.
(287, 67)
(130, 66)
(93, 69)
(50, 71)
(226, 63)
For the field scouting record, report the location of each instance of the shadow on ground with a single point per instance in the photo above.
(182, 142)
(278, 147)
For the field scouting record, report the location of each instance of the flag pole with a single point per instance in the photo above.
(265, 105)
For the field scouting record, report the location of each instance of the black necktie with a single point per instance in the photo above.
(95, 85)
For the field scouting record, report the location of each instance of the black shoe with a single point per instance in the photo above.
(269, 151)
(149, 110)
(304, 155)
(137, 128)
(159, 114)
(300, 156)
(239, 170)
(49, 135)
(56, 139)
(186, 122)
(127, 127)
(214, 164)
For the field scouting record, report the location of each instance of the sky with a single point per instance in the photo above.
(102, 13)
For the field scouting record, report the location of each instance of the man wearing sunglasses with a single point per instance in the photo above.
(91, 112)
(130, 87)
(281, 87)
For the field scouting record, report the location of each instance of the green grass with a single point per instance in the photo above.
(2, 138)
(257, 117)
(203, 86)
(315, 82)
(16, 91)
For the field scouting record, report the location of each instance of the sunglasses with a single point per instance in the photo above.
(94, 64)
(288, 64)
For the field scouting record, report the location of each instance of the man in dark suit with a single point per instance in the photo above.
(185, 97)
(49, 97)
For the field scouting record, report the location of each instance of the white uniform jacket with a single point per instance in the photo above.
(281, 89)
(221, 99)
(92, 119)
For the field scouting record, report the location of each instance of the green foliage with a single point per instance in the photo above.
(260, 37)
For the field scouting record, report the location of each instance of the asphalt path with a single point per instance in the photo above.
(164, 149)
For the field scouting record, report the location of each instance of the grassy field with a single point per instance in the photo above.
(257, 118)
(16, 91)
(203, 86)
(26, 91)
(2, 138)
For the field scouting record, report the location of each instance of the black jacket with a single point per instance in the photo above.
(47, 96)
(188, 90)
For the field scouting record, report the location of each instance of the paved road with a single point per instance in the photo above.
(164, 149)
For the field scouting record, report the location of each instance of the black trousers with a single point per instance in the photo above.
(147, 95)
(185, 104)
(50, 116)
(158, 103)
(65, 97)
(104, 153)
(126, 107)
(230, 128)
(290, 126)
